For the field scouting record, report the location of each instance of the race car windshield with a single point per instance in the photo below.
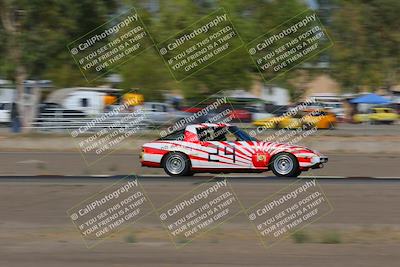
(231, 133)
(240, 134)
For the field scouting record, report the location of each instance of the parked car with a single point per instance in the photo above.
(5, 112)
(321, 119)
(157, 113)
(240, 115)
(233, 114)
(336, 108)
(377, 115)
(308, 118)
(280, 122)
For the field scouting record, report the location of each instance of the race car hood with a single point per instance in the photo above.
(274, 148)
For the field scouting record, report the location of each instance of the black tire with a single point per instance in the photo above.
(285, 165)
(297, 173)
(177, 164)
(307, 126)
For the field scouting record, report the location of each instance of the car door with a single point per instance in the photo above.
(222, 153)
(219, 152)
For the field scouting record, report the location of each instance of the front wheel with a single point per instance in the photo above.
(177, 164)
(285, 165)
(297, 173)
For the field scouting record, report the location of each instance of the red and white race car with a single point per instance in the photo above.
(224, 148)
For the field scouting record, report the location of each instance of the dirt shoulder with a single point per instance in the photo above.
(363, 230)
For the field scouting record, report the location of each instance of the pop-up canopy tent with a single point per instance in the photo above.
(370, 99)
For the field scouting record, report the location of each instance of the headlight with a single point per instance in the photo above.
(315, 160)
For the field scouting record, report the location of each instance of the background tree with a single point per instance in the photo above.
(366, 51)
(36, 33)
(236, 70)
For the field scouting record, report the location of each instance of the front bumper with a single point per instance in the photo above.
(318, 162)
(319, 159)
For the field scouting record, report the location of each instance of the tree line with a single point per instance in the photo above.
(34, 35)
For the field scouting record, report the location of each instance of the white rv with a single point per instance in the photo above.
(86, 99)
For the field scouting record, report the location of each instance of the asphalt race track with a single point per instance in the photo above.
(122, 163)
(198, 178)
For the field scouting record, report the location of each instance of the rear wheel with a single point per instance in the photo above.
(285, 165)
(177, 164)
